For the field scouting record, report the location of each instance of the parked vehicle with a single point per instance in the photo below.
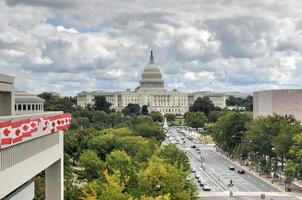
(201, 181)
(231, 167)
(241, 171)
(206, 187)
(193, 169)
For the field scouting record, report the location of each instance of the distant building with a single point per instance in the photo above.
(236, 108)
(151, 92)
(283, 102)
(26, 103)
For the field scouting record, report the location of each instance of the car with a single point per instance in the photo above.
(206, 187)
(193, 169)
(197, 175)
(193, 146)
(241, 171)
(197, 149)
(201, 181)
(231, 167)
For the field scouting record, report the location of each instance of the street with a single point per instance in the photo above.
(214, 169)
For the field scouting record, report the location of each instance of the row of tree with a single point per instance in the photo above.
(265, 142)
(125, 163)
(117, 155)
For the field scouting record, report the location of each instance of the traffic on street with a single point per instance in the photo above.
(217, 177)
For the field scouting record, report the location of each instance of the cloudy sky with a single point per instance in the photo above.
(69, 46)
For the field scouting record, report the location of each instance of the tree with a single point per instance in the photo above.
(119, 160)
(82, 122)
(239, 101)
(101, 104)
(172, 155)
(145, 110)
(131, 109)
(170, 117)
(160, 178)
(89, 191)
(203, 104)
(294, 164)
(214, 115)
(54, 103)
(114, 187)
(149, 130)
(288, 128)
(91, 163)
(195, 119)
(230, 129)
(156, 116)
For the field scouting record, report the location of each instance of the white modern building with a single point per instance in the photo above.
(151, 92)
(26, 103)
(29, 145)
(282, 101)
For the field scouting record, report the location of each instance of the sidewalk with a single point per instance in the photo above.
(297, 191)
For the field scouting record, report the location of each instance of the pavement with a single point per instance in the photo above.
(214, 168)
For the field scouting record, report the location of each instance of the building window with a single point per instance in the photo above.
(19, 107)
(32, 107)
(24, 106)
(15, 107)
(36, 106)
(28, 107)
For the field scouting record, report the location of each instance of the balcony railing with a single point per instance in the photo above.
(21, 128)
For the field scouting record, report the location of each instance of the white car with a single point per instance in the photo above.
(193, 169)
(201, 181)
(206, 187)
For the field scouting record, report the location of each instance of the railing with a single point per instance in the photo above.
(22, 128)
(15, 154)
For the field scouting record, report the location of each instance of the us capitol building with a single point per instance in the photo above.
(151, 92)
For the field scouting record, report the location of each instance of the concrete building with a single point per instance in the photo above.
(29, 145)
(151, 92)
(7, 95)
(26, 103)
(283, 102)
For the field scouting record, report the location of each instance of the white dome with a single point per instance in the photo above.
(152, 77)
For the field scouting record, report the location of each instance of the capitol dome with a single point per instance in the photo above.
(152, 77)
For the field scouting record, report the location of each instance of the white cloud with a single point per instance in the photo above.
(219, 45)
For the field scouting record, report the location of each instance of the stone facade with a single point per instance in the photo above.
(283, 102)
(151, 92)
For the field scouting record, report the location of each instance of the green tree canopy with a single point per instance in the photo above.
(174, 156)
(101, 104)
(145, 110)
(132, 109)
(156, 116)
(91, 163)
(203, 104)
(239, 101)
(149, 130)
(230, 129)
(160, 178)
(195, 119)
(214, 115)
(170, 117)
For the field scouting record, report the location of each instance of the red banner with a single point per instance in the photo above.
(15, 131)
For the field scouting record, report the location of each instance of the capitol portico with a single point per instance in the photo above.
(152, 93)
